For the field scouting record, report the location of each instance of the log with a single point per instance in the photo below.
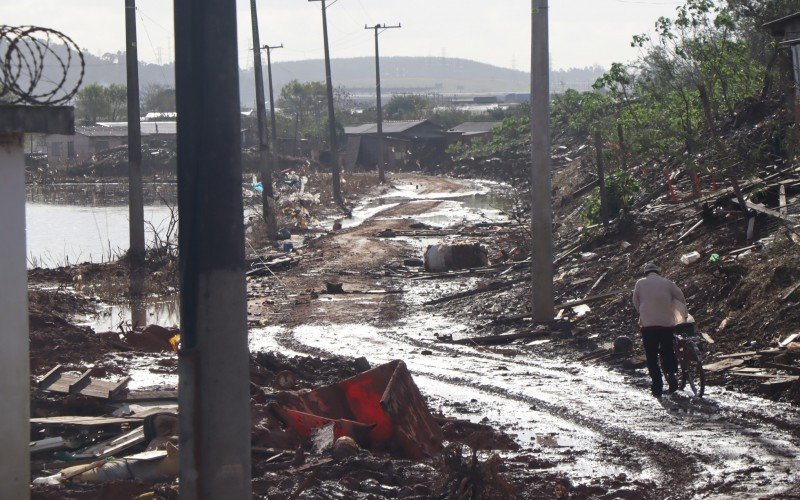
(491, 287)
(496, 339)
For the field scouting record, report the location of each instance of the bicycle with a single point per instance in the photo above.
(690, 361)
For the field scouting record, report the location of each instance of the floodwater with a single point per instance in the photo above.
(75, 223)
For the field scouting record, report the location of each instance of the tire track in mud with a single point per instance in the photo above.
(675, 467)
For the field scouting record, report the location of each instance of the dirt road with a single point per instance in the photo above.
(589, 420)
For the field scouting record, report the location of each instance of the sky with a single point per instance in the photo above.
(582, 32)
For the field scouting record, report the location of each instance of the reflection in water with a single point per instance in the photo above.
(73, 223)
(164, 312)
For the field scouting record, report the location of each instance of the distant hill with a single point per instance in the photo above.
(357, 75)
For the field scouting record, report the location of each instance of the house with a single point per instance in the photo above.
(787, 31)
(468, 132)
(91, 139)
(420, 138)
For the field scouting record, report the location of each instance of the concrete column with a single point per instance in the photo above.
(14, 361)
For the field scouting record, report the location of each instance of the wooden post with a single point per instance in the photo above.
(601, 176)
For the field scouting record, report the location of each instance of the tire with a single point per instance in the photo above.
(693, 373)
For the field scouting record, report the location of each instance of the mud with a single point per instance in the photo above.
(582, 429)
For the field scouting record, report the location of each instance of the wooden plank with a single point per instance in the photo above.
(144, 396)
(594, 298)
(779, 383)
(691, 229)
(782, 200)
(597, 283)
(786, 296)
(113, 446)
(779, 366)
(725, 364)
(768, 211)
(765, 376)
(49, 377)
(566, 254)
(745, 354)
(83, 421)
(81, 382)
(788, 340)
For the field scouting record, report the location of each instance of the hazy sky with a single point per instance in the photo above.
(583, 32)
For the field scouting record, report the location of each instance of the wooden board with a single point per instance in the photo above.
(57, 381)
(84, 421)
(725, 364)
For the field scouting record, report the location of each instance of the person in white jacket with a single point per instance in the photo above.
(661, 306)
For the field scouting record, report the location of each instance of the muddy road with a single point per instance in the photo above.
(588, 420)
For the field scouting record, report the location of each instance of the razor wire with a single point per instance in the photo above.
(25, 52)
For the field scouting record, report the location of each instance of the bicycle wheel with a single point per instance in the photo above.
(693, 373)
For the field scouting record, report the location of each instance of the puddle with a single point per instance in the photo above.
(162, 312)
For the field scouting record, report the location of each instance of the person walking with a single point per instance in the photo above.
(661, 305)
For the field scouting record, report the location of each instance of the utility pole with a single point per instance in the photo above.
(378, 30)
(541, 209)
(214, 392)
(267, 195)
(269, 49)
(136, 253)
(334, 157)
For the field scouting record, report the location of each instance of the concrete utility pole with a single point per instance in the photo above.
(214, 392)
(267, 196)
(378, 30)
(136, 253)
(269, 49)
(541, 210)
(15, 375)
(334, 158)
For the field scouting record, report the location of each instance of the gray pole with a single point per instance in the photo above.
(213, 359)
(381, 173)
(541, 211)
(334, 158)
(267, 196)
(135, 203)
(272, 96)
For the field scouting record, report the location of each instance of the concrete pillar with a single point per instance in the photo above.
(14, 362)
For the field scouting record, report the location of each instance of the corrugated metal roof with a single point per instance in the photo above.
(120, 129)
(470, 128)
(389, 127)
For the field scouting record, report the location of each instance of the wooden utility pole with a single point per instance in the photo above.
(334, 149)
(378, 30)
(541, 210)
(214, 387)
(269, 49)
(136, 253)
(264, 159)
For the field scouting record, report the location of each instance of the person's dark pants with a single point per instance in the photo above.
(658, 340)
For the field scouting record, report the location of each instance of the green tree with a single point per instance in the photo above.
(159, 99)
(407, 107)
(117, 96)
(92, 103)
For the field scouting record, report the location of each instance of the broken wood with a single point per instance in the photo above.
(57, 381)
(495, 339)
(80, 421)
(788, 340)
(786, 296)
(491, 287)
(779, 383)
(691, 230)
(782, 200)
(517, 317)
(779, 366)
(725, 364)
